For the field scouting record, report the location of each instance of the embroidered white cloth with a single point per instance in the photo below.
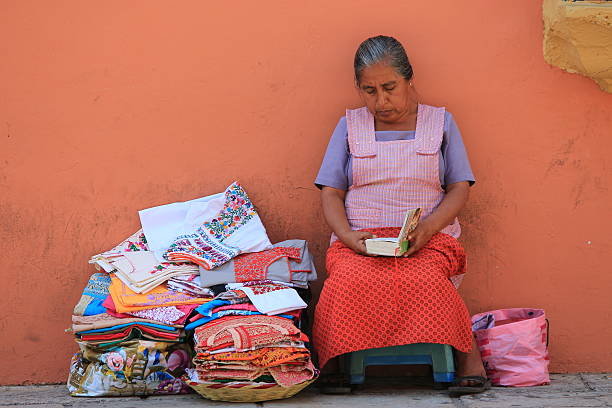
(162, 224)
(271, 299)
(214, 229)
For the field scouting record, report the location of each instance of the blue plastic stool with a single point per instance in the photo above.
(438, 356)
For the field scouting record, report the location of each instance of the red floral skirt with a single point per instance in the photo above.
(371, 302)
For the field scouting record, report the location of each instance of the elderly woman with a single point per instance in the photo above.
(389, 156)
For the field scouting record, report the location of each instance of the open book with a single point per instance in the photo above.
(395, 246)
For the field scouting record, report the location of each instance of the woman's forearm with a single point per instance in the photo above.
(454, 200)
(332, 201)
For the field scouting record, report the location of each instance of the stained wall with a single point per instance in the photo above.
(111, 107)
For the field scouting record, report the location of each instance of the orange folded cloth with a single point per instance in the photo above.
(126, 300)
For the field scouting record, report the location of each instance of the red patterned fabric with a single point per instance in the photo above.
(371, 302)
(254, 266)
(245, 333)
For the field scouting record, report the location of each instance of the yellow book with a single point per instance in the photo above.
(395, 246)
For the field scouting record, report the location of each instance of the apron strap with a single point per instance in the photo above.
(429, 129)
(361, 136)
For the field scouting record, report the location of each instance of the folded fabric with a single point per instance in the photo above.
(296, 369)
(282, 343)
(230, 297)
(93, 295)
(130, 331)
(234, 229)
(246, 332)
(137, 267)
(136, 367)
(241, 306)
(173, 315)
(287, 376)
(273, 299)
(164, 314)
(190, 285)
(218, 315)
(101, 321)
(287, 261)
(263, 357)
(126, 300)
(234, 374)
(141, 271)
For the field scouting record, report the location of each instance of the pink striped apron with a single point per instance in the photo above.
(392, 177)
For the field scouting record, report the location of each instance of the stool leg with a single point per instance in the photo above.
(443, 365)
(356, 368)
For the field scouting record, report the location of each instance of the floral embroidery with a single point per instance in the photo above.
(137, 242)
(165, 265)
(261, 289)
(205, 247)
(201, 249)
(237, 211)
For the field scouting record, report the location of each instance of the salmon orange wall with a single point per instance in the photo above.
(110, 107)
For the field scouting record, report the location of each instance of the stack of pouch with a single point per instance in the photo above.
(136, 367)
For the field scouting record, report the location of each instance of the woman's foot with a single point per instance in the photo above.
(471, 376)
(476, 385)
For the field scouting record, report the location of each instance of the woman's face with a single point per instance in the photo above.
(386, 93)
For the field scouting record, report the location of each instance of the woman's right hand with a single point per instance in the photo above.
(356, 240)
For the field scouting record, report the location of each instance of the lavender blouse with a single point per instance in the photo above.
(337, 168)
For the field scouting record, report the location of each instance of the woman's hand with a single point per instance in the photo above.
(420, 236)
(356, 240)
(453, 201)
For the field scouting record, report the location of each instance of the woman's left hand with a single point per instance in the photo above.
(419, 237)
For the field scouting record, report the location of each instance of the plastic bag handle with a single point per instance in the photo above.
(547, 331)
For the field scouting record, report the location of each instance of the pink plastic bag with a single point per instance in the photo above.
(513, 346)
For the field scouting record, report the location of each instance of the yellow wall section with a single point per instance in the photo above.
(578, 38)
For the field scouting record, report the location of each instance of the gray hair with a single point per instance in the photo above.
(382, 49)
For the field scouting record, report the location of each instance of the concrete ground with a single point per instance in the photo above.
(576, 390)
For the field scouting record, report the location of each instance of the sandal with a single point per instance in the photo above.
(481, 384)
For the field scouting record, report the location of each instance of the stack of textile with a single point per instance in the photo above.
(135, 319)
(246, 339)
(135, 349)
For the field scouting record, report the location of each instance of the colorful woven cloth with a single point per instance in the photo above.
(93, 295)
(371, 302)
